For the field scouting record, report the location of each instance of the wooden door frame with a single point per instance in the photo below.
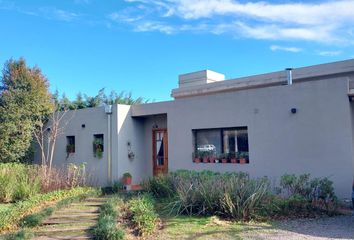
(154, 148)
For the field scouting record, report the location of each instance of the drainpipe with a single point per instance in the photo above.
(108, 110)
(289, 76)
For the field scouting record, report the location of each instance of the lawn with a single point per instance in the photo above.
(184, 227)
(4, 206)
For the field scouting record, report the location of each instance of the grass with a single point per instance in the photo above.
(185, 227)
(4, 206)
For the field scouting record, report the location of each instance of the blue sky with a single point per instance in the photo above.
(142, 45)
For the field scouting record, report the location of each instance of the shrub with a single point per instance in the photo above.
(160, 186)
(106, 228)
(318, 191)
(296, 184)
(143, 214)
(18, 182)
(231, 195)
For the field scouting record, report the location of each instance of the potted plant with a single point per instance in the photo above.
(196, 157)
(70, 148)
(212, 158)
(243, 157)
(127, 179)
(205, 157)
(224, 157)
(233, 157)
(98, 148)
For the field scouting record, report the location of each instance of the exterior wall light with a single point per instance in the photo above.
(83, 125)
(293, 110)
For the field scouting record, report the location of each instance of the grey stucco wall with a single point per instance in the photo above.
(95, 121)
(317, 139)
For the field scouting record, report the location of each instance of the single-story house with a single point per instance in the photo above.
(291, 121)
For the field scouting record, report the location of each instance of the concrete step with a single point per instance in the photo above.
(43, 231)
(74, 215)
(66, 221)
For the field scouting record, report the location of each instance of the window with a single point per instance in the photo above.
(221, 145)
(98, 145)
(70, 144)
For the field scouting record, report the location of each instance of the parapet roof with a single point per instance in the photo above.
(310, 73)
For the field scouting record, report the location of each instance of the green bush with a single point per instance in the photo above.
(11, 216)
(106, 228)
(18, 181)
(317, 190)
(160, 186)
(143, 214)
(236, 196)
(232, 195)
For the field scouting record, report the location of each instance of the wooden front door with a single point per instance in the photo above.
(159, 151)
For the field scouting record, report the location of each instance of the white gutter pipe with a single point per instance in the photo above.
(108, 110)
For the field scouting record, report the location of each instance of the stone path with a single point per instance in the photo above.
(72, 222)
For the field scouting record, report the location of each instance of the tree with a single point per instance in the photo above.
(46, 134)
(24, 102)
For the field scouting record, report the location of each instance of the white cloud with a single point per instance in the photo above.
(329, 53)
(154, 26)
(330, 22)
(286, 49)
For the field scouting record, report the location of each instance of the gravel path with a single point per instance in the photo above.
(340, 227)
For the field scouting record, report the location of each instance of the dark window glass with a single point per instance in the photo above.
(70, 144)
(221, 141)
(208, 140)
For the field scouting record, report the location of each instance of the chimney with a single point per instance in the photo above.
(289, 76)
(199, 78)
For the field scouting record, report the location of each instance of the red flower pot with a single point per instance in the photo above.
(233, 160)
(197, 160)
(224, 160)
(242, 160)
(127, 181)
(205, 159)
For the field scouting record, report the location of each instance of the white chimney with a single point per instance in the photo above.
(199, 78)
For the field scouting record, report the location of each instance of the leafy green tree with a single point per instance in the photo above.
(79, 102)
(24, 101)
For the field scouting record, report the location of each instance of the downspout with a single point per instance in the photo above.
(108, 110)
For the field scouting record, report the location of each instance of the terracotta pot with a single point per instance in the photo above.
(205, 159)
(127, 181)
(242, 160)
(197, 160)
(233, 160)
(212, 159)
(224, 160)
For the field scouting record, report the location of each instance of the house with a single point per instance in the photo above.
(292, 121)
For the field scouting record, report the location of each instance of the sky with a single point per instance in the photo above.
(141, 46)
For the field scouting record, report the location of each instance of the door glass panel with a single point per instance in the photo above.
(159, 149)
